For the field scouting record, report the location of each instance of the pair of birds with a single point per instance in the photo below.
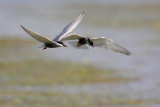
(77, 41)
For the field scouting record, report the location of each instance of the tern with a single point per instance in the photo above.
(76, 40)
(56, 42)
(81, 42)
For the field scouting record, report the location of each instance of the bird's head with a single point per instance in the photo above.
(90, 42)
(60, 42)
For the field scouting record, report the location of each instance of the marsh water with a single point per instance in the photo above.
(136, 26)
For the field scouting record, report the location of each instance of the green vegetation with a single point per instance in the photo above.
(50, 99)
(9, 42)
(47, 72)
(17, 75)
(54, 73)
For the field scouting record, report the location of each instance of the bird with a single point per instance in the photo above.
(78, 41)
(56, 42)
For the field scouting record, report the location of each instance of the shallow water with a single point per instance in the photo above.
(140, 38)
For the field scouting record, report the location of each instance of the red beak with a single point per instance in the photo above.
(44, 48)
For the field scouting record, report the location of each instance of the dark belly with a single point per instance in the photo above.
(82, 41)
(49, 45)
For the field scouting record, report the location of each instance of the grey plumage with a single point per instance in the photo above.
(69, 27)
(102, 42)
(57, 41)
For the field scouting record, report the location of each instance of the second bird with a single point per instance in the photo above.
(81, 42)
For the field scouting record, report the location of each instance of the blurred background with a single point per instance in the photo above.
(68, 77)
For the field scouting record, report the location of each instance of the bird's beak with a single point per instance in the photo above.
(78, 45)
(64, 45)
(44, 48)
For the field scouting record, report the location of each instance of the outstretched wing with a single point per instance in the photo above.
(72, 37)
(109, 44)
(74, 44)
(37, 36)
(70, 27)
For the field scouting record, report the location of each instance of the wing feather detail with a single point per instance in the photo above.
(70, 27)
(37, 36)
(72, 37)
(109, 44)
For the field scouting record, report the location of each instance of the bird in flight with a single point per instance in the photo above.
(56, 42)
(82, 42)
(77, 41)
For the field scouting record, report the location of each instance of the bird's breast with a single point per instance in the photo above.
(52, 45)
(82, 41)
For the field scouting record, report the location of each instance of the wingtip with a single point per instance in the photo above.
(22, 27)
(128, 53)
(82, 13)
